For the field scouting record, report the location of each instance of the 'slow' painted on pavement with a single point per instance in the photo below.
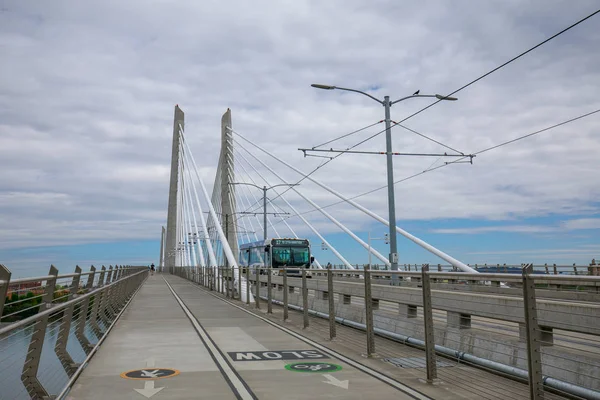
(276, 355)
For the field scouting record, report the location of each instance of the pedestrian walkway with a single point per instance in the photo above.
(177, 341)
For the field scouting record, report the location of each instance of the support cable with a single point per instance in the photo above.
(330, 217)
(413, 238)
(267, 184)
(316, 232)
(212, 261)
(225, 245)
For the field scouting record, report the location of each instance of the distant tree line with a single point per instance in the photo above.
(22, 306)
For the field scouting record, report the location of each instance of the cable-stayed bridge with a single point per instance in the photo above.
(239, 308)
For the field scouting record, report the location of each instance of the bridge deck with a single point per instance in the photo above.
(224, 351)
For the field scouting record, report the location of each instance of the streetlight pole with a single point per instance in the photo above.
(393, 257)
(264, 189)
(265, 213)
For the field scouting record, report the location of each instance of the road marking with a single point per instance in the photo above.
(274, 355)
(375, 374)
(313, 367)
(148, 374)
(239, 387)
(149, 390)
(332, 380)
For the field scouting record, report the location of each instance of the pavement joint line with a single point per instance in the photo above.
(415, 394)
(236, 383)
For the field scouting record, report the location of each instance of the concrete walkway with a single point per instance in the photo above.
(177, 341)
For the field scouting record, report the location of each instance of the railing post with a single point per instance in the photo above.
(102, 299)
(110, 272)
(331, 297)
(534, 359)
(101, 279)
(219, 278)
(96, 307)
(90, 279)
(239, 283)
(285, 295)
(65, 328)
(257, 297)
(269, 292)
(84, 308)
(34, 353)
(4, 277)
(248, 285)
(304, 299)
(369, 315)
(428, 325)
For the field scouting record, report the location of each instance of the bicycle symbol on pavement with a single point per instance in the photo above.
(313, 367)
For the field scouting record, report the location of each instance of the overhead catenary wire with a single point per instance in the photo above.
(331, 218)
(315, 231)
(267, 183)
(270, 222)
(430, 169)
(423, 244)
(504, 64)
(459, 89)
(348, 134)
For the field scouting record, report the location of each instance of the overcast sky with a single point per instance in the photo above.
(87, 91)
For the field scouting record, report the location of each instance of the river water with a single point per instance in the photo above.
(51, 374)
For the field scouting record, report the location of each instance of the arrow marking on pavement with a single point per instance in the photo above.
(149, 390)
(335, 382)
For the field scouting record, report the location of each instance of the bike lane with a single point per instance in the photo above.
(275, 364)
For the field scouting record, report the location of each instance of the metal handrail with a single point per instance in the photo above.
(61, 276)
(60, 306)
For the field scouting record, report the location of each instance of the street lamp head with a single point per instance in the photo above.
(440, 97)
(326, 87)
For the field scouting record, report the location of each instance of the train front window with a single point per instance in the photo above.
(300, 255)
(281, 256)
(290, 256)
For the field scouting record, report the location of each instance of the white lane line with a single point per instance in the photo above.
(403, 388)
(243, 392)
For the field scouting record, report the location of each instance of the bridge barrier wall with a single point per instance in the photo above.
(52, 323)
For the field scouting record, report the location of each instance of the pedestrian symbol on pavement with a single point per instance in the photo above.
(150, 373)
(318, 367)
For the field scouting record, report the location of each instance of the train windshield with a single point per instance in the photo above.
(291, 256)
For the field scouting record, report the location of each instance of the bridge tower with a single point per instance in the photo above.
(227, 195)
(171, 236)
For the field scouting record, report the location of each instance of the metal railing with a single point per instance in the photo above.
(549, 269)
(51, 323)
(516, 325)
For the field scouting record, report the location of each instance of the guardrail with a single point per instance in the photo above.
(549, 269)
(552, 344)
(48, 332)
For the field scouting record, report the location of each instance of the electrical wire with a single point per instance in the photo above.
(461, 158)
(347, 134)
(457, 90)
